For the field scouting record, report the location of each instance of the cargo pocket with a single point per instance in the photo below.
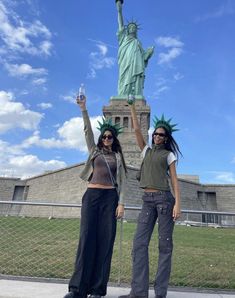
(145, 215)
(163, 209)
(165, 243)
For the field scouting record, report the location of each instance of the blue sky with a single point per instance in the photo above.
(47, 48)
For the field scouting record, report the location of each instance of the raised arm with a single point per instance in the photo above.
(89, 136)
(139, 137)
(120, 16)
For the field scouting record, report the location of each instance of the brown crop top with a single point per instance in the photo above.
(100, 173)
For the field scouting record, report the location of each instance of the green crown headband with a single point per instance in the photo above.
(107, 125)
(162, 122)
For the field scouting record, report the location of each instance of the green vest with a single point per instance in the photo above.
(154, 169)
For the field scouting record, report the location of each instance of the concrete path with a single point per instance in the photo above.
(29, 289)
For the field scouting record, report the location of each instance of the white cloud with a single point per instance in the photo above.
(174, 48)
(15, 163)
(70, 97)
(72, 132)
(92, 73)
(169, 56)
(45, 105)
(19, 36)
(178, 76)
(70, 135)
(169, 42)
(35, 140)
(15, 115)
(161, 86)
(161, 81)
(29, 165)
(103, 49)
(7, 150)
(227, 8)
(102, 43)
(39, 81)
(162, 89)
(223, 177)
(45, 47)
(24, 70)
(24, 92)
(99, 60)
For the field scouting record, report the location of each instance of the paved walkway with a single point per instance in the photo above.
(29, 289)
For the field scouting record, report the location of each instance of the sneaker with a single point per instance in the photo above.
(131, 296)
(71, 295)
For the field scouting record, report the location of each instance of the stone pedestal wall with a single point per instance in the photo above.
(65, 186)
(119, 111)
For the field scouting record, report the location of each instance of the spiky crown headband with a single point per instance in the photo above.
(107, 125)
(162, 122)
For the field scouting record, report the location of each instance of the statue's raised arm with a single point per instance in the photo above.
(120, 16)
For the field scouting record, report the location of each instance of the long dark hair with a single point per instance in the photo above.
(116, 146)
(170, 144)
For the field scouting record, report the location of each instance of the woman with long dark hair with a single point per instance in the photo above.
(102, 204)
(158, 203)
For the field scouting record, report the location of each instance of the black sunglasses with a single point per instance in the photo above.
(160, 134)
(109, 137)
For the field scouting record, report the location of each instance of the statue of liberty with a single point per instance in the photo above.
(132, 58)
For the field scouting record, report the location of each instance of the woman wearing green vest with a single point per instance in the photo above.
(158, 203)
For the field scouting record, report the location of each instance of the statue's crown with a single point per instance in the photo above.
(133, 22)
(162, 122)
(107, 125)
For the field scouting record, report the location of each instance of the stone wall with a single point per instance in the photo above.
(189, 198)
(62, 186)
(7, 191)
(65, 186)
(7, 187)
(225, 196)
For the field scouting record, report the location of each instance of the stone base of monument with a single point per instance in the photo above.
(137, 97)
(119, 111)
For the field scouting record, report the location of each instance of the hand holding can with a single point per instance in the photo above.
(81, 92)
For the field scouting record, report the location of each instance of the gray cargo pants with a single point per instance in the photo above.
(155, 205)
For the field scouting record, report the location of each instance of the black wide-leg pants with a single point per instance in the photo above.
(97, 235)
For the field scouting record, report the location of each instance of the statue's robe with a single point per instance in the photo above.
(131, 64)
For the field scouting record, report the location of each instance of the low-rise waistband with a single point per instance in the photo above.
(158, 192)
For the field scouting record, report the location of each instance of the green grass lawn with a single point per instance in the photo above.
(203, 257)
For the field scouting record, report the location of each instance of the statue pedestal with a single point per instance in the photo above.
(119, 111)
(137, 97)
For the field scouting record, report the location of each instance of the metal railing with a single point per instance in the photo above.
(40, 239)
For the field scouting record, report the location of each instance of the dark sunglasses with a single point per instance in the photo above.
(160, 134)
(104, 137)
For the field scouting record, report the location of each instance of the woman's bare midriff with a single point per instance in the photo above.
(91, 185)
(151, 190)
